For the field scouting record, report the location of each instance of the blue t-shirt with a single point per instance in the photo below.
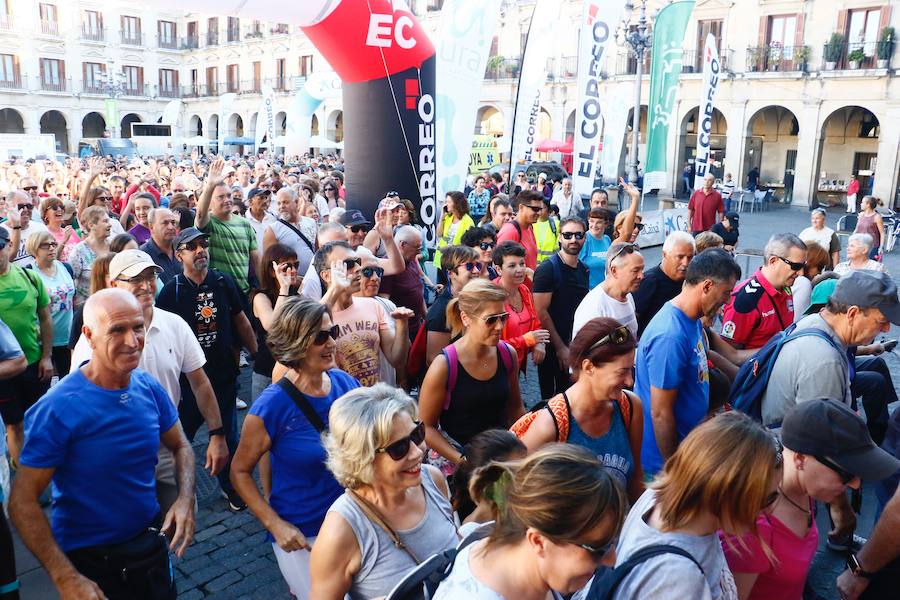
(103, 445)
(593, 254)
(302, 488)
(672, 355)
(61, 289)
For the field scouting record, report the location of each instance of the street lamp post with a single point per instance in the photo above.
(113, 87)
(638, 41)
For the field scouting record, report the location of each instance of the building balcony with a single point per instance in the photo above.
(279, 84)
(92, 34)
(692, 60)
(281, 29)
(855, 55)
(50, 28)
(565, 67)
(12, 81)
(132, 38)
(47, 84)
(626, 63)
(135, 90)
(7, 23)
(233, 35)
(168, 92)
(167, 43)
(212, 38)
(254, 32)
(191, 42)
(251, 86)
(499, 67)
(777, 58)
(93, 87)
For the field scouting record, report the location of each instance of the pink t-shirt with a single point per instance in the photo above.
(785, 579)
(359, 340)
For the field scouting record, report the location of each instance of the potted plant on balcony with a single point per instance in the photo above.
(755, 59)
(885, 47)
(494, 63)
(856, 57)
(833, 50)
(776, 55)
(801, 58)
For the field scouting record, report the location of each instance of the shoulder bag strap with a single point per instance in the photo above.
(302, 403)
(373, 515)
(299, 233)
(452, 370)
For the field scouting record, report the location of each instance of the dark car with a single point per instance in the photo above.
(553, 170)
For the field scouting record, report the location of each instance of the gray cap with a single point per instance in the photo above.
(186, 235)
(869, 289)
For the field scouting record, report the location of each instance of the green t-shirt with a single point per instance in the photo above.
(22, 293)
(230, 244)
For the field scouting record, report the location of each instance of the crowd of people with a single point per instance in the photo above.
(386, 423)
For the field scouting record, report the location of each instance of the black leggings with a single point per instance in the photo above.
(7, 560)
(61, 357)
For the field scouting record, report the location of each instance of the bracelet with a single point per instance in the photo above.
(284, 295)
(217, 431)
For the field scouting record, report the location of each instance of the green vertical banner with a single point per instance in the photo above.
(665, 69)
(112, 113)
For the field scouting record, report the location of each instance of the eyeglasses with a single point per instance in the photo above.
(194, 244)
(25, 206)
(795, 266)
(617, 336)
(471, 267)
(491, 320)
(350, 262)
(486, 245)
(359, 228)
(104, 198)
(397, 450)
(30, 188)
(625, 249)
(48, 245)
(568, 235)
(535, 208)
(324, 334)
(139, 279)
(639, 227)
(370, 271)
(846, 476)
(598, 552)
(290, 265)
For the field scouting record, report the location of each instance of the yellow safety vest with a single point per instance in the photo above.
(464, 224)
(545, 234)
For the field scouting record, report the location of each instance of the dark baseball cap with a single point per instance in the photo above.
(256, 192)
(869, 289)
(828, 428)
(354, 217)
(732, 217)
(186, 235)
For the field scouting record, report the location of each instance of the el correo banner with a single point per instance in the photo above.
(467, 29)
(532, 77)
(265, 120)
(705, 116)
(598, 21)
(665, 68)
(615, 120)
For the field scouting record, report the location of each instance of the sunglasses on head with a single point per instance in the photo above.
(359, 228)
(578, 235)
(324, 334)
(194, 244)
(846, 476)
(350, 262)
(369, 271)
(30, 188)
(795, 266)
(491, 320)
(397, 450)
(392, 195)
(625, 249)
(24, 206)
(617, 336)
(471, 267)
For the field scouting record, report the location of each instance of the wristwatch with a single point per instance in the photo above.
(855, 568)
(217, 431)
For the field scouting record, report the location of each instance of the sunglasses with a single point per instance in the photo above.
(392, 195)
(350, 262)
(471, 267)
(104, 198)
(486, 245)
(369, 271)
(795, 266)
(598, 552)
(397, 450)
(617, 336)
(626, 249)
(359, 228)
(846, 476)
(568, 235)
(30, 188)
(491, 320)
(535, 208)
(48, 245)
(290, 265)
(24, 206)
(639, 226)
(328, 189)
(194, 244)
(323, 335)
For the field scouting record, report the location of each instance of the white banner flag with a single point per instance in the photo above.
(615, 121)
(225, 102)
(318, 88)
(598, 21)
(265, 120)
(705, 116)
(532, 77)
(467, 30)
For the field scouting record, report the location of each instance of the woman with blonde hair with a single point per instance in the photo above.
(57, 278)
(53, 212)
(286, 421)
(99, 281)
(395, 511)
(472, 386)
(95, 222)
(557, 516)
(721, 476)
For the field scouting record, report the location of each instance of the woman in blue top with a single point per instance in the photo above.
(597, 412)
(60, 286)
(596, 243)
(301, 338)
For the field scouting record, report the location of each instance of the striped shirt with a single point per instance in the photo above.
(230, 245)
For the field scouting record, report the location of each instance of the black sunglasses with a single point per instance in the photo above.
(293, 265)
(471, 267)
(795, 266)
(492, 320)
(359, 228)
(323, 335)
(486, 245)
(397, 450)
(194, 244)
(30, 188)
(349, 262)
(369, 271)
(328, 189)
(534, 208)
(104, 198)
(639, 226)
(617, 336)
(392, 195)
(25, 206)
(598, 552)
(568, 235)
(846, 476)
(625, 249)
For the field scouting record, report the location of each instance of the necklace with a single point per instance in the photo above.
(806, 511)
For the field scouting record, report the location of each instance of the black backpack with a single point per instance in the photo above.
(606, 581)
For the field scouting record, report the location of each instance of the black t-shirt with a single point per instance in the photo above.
(568, 289)
(729, 237)
(208, 309)
(436, 319)
(656, 289)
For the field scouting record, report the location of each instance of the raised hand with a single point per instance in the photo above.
(402, 313)
(215, 171)
(285, 278)
(383, 224)
(339, 279)
(629, 188)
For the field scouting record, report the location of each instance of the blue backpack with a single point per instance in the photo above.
(752, 379)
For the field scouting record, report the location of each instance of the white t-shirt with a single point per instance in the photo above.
(597, 303)
(820, 236)
(801, 292)
(22, 258)
(259, 227)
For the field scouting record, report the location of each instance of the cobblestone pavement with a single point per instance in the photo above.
(230, 557)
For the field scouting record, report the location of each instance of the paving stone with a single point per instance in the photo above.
(209, 532)
(255, 565)
(201, 576)
(250, 584)
(198, 549)
(193, 594)
(228, 538)
(252, 527)
(220, 583)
